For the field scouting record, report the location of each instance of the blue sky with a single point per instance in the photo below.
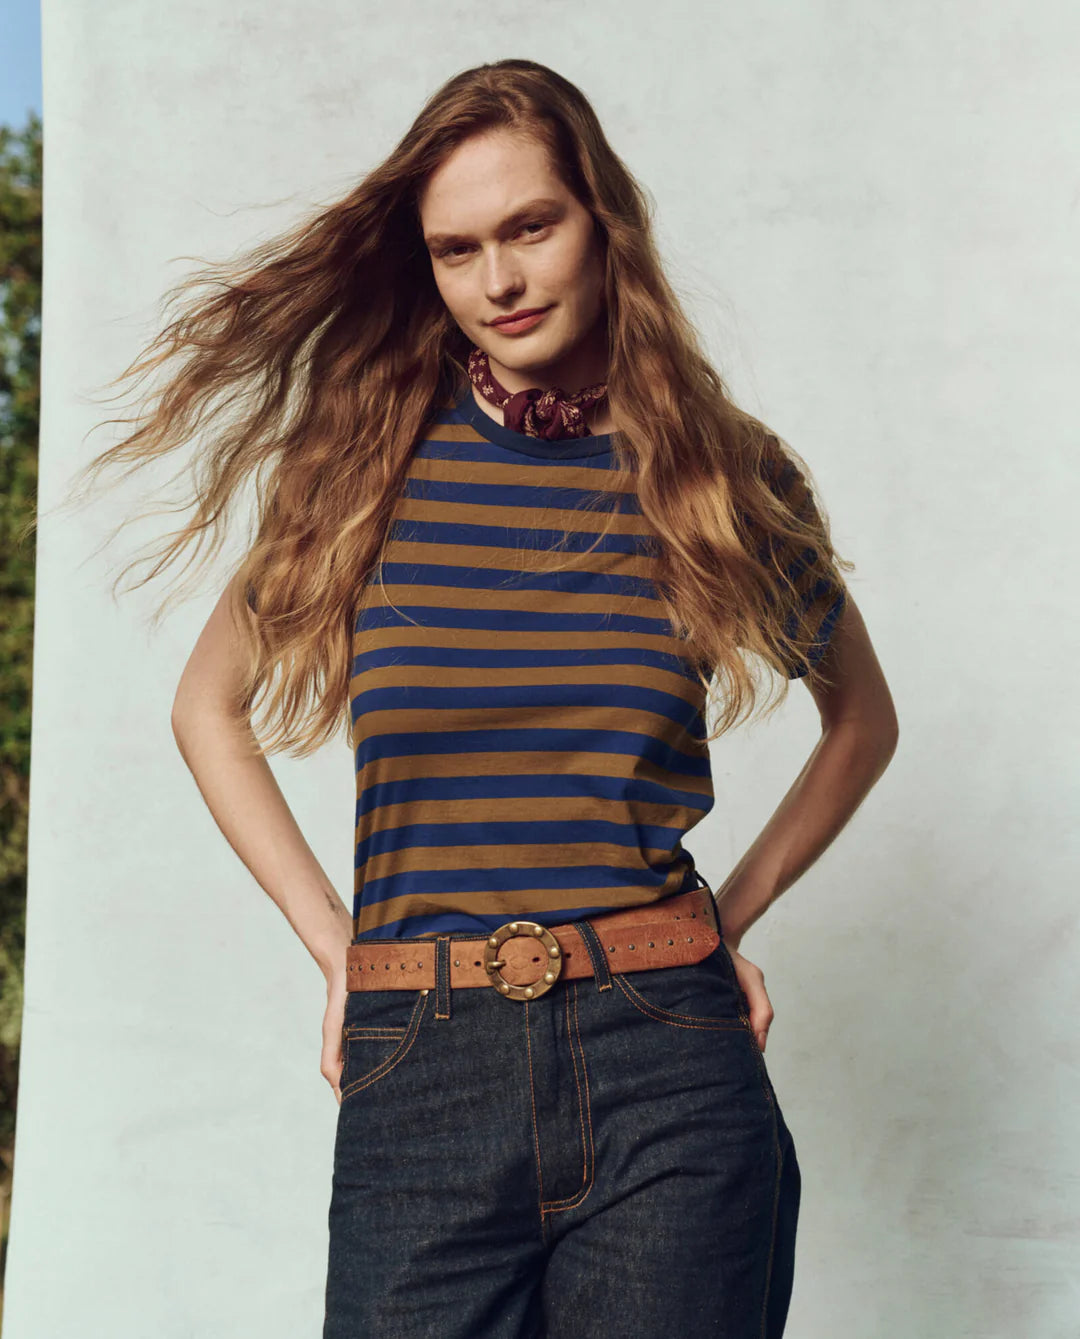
(20, 61)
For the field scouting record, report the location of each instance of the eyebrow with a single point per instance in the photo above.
(440, 239)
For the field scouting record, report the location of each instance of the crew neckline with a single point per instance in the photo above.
(562, 448)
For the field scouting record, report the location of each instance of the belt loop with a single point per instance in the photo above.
(442, 976)
(715, 907)
(596, 952)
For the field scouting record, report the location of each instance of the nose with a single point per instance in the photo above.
(502, 276)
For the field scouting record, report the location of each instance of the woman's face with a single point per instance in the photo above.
(505, 235)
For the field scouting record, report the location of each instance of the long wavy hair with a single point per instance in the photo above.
(314, 363)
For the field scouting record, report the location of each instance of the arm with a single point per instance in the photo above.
(859, 734)
(245, 801)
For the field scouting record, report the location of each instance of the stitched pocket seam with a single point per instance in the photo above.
(668, 1015)
(407, 1036)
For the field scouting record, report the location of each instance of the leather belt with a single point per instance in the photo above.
(522, 960)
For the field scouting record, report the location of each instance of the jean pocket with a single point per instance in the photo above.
(699, 994)
(379, 1030)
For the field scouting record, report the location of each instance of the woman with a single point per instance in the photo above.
(512, 532)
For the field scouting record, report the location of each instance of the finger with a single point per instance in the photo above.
(760, 1014)
(332, 1072)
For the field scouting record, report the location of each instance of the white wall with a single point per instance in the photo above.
(874, 211)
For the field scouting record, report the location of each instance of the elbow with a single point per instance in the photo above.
(178, 719)
(197, 713)
(884, 722)
(879, 737)
(873, 734)
(188, 708)
(888, 736)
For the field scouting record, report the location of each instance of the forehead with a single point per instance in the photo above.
(484, 179)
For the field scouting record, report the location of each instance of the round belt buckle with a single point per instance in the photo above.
(525, 929)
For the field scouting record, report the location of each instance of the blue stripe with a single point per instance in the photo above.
(488, 453)
(422, 883)
(413, 836)
(507, 620)
(473, 926)
(528, 740)
(518, 786)
(457, 533)
(479, 657)
(470, 492)
(505, 578)
(528, 696)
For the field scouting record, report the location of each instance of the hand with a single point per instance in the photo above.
(752, 980)
(333, 1023)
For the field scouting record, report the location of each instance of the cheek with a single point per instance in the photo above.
(455, 301)
(583, 276)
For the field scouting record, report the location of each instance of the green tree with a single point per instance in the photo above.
(21, 160)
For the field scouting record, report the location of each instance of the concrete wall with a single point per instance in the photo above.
(872, 211)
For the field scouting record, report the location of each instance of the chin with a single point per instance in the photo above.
(534, 357)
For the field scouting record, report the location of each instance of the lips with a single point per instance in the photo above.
(515, 317)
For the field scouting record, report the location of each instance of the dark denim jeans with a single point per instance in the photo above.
(609, 1158)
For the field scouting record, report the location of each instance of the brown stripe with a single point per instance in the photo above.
(523, 520)
(514, 855)
(515, 559)
(436, 639)
(513, 599)
(447, 720)
(548, 474)
(583, 808)
(509, 904)
(632, 674)
(534, 763)
(497, 676)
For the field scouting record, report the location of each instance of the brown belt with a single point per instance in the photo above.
(522, 960)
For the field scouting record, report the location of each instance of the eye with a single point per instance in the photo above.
(454, 252)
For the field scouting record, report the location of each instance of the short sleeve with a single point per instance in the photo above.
(819, 595)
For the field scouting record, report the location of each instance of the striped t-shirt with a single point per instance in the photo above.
(528, 742)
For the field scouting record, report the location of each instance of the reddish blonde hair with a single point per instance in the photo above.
(312, 366)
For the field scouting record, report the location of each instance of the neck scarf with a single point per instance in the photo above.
(550, 414)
